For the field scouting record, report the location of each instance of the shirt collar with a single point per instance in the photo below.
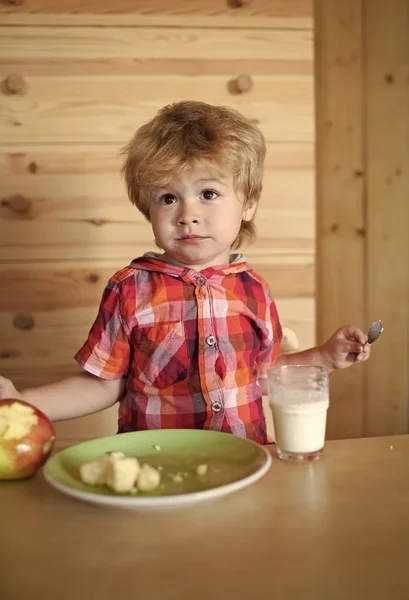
(152, 261)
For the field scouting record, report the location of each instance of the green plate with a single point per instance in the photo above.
(233, 463)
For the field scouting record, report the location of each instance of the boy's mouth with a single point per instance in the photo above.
(190, 238)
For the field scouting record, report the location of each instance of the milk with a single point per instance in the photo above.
(299, 399)
(299, 421)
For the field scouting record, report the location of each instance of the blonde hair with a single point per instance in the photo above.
(189, 131)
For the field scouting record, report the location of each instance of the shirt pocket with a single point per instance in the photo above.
(160, 354)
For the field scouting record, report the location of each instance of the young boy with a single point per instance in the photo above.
(184, 339)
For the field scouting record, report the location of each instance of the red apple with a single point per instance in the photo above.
(26, 439)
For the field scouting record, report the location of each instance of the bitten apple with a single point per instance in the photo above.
(26, 439)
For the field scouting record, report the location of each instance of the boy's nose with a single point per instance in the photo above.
(187, 220)
(188, 216)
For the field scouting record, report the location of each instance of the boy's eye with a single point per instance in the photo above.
(209, 194)
(168, 199)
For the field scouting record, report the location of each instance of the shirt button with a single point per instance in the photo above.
(200, 280)
(210, 340)
(216, 406)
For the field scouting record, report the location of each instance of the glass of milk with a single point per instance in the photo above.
(299, 399)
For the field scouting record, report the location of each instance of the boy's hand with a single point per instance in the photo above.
(7, 389)
(346, 346)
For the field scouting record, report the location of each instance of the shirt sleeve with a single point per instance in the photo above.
(106, 352)
(270, 347)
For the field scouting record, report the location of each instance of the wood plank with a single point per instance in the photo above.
(287, 250)
(161, 20)
(78, 43)
(109, 109)
(37, 359)
(56, 336)
(50, 286)
(100, 424)
(151, 7)
(287, 279)
(71, 240)
(213, 13)
(387, 39)
(154, 66)
(340, 197)
(299, 315)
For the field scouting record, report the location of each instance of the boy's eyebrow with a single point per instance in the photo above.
(213, 179)
(202, 180)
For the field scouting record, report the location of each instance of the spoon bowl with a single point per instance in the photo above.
(374, 331)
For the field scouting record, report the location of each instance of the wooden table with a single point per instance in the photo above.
(335, 529)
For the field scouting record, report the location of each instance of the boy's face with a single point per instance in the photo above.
(196, 218)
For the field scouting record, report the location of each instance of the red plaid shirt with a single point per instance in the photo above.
(190, 344)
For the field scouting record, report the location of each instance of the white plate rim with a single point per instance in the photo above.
(158, 502)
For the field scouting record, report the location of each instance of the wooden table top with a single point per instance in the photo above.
(334, 529)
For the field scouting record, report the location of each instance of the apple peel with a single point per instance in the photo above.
(26, 439)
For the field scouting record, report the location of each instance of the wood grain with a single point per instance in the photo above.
(213, 13)
(156, 66)
(110, 108)
(312, 512)
(387, 39)
(340, 197)
(136, 20)
(77, 43)
(289, 8)
(99, 424)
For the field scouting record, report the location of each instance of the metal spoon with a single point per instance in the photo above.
(374, 331)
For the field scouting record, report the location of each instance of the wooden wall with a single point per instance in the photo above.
(362, 91)
(88, 74)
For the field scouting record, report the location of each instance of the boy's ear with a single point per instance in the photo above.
(250, 211)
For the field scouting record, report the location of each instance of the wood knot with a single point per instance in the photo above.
(24, 321)
(334, 227)
(9, 354)
(390, 78)
(33, 167)
(18, 204)
(361, 231)
(14, 84)
(237, 3)
(92, 277)
(358, 173)
(98, 222)
(241, 84)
